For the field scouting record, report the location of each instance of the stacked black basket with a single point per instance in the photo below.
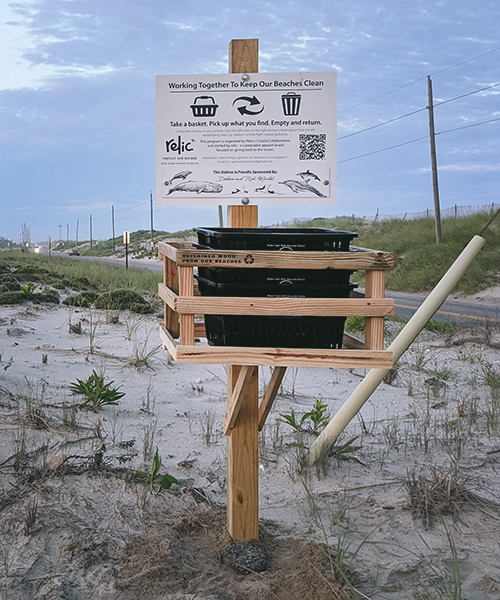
(275, 331)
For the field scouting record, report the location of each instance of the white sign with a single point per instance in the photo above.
(265, 137)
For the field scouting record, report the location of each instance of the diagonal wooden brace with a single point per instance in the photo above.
(237, 395)
(270, 394)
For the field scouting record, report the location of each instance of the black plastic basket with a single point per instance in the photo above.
(275, 332)
(275, 290)
(306, 239)
(275, 276)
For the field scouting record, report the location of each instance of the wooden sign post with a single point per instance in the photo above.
(245, 418)
(243, 438)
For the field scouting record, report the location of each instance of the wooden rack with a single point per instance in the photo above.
(180, 328)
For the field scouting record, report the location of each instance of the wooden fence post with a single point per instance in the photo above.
(243, 438)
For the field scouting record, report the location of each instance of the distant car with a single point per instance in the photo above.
(74, 252)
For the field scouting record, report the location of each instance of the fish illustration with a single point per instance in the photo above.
(301, 186)
(198, 187)
(306, 175)
(181, 175)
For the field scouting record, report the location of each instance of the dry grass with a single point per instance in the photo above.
(444, 493)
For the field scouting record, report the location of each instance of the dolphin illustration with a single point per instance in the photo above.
(301, 186)
(181, 175)
(306, 175)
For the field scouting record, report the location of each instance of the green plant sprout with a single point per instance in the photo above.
(345, 451)
(97, 393)
(28, 289)
(164, 481)
(317, 415)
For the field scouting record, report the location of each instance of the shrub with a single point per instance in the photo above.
(142, 309)
(10, 286)
(120, 300)
(12, 298)
(85, 299)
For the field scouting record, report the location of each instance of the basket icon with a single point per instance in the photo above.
(204, 106)
(291, 104)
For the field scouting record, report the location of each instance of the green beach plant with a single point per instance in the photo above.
(96, 392)
(165, 481)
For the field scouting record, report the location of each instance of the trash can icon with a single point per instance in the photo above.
(291, 104)
(204, 106)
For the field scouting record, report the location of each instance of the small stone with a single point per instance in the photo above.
(246, 557)
(53, 462)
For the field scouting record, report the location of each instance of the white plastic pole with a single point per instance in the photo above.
(402, 342)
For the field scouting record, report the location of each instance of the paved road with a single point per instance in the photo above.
(454, 310)
(461, 312)
(134, 264)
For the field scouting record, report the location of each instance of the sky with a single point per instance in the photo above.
(77, 102)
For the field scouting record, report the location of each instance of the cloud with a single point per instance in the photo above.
(477, 168)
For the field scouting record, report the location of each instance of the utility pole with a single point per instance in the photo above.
(91, 231)
(113, 224)
(77, 227)
(67, 235)
(435, 186)
(151, 204)
(60, 226)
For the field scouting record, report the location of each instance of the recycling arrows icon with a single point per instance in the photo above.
(245, 104)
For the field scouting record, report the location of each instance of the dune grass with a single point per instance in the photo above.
(104, 277)
(420, 262)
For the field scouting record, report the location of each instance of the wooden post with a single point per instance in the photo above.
(243, 439)
(435, 186)
(374, 326)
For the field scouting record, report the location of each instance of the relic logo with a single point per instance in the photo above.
(178, 145)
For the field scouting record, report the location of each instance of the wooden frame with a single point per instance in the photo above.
(181, 306)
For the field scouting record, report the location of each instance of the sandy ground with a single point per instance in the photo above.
(76, 523)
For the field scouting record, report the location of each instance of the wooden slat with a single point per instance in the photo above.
(186, 288)
(170, 279)
(170, 249)
(374, 327)
(285, 357)
(225, 305)
(236, 397)
(167, 295)
(277, 357)
(270, 394)
(267, 259)
(169, 342)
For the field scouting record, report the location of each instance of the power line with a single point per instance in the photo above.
(384, 149)
(380, 124)
(465, 61)
(419, 79)
(467, 126)
(417, 140)
(418, 111)
(468, 94)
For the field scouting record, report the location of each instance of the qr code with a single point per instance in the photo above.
(312, 146)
